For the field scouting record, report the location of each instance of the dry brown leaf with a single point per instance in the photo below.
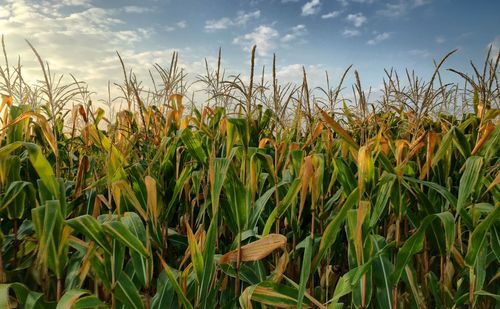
(488, 128)
(281, 267)
(256, 250)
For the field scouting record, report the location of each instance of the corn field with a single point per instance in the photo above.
(264, 195)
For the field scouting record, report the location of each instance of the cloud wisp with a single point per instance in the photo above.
(331, 15)
(311, 7)
(357, 19)
(379, 37)
(296, 33)
(241, 19)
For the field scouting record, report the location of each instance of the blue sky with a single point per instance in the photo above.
(81, 36)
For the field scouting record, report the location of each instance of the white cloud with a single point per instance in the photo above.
(75, 3)
(181, 24)
(218, 24)
(440, 39)
(379, 38)
(76, 37)
(345, 3)
(421, 53)
(294, 73)
(332, 14)
(4, 13)
(348, 33)
(263, 36)
(310, 8)
(295, 34)
(401, 8)
(357, 19)
(241, 19)
(417, 3)
(136, 9)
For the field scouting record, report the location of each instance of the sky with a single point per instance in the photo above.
(81, 37)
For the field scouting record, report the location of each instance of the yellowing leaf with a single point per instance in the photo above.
(337, 128)
(7, 100)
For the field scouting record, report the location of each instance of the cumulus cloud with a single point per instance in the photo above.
(311, 7)
(357, 19)
(348, 33)
(75, 36)
(332, 14)
(295, 34)
(263, 36)
(241, 19)
(294, 72)
(379, 38)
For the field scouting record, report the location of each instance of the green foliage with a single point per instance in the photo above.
(261, 198)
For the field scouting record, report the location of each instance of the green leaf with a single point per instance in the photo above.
(383, 196)
(444, 146)
(43, 168)
(333, 228)
(195, 251)
(39, 162)
(209, 264)
(88, 226)
(270, 293)
(304, 273)
(461, 142)
(127, 293)
(26, 297)
(495, 240)
(478, 237)
(382, 268)
(164, 293)
(447, 195)
(193, 144)
(343, 286)
(90, 301)
(415, 243)
(468, 181)
(120, 232)
(70, 297)
(179, 184)
(173, 281)
(142, 265)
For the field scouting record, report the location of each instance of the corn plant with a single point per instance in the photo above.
(265, 195)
